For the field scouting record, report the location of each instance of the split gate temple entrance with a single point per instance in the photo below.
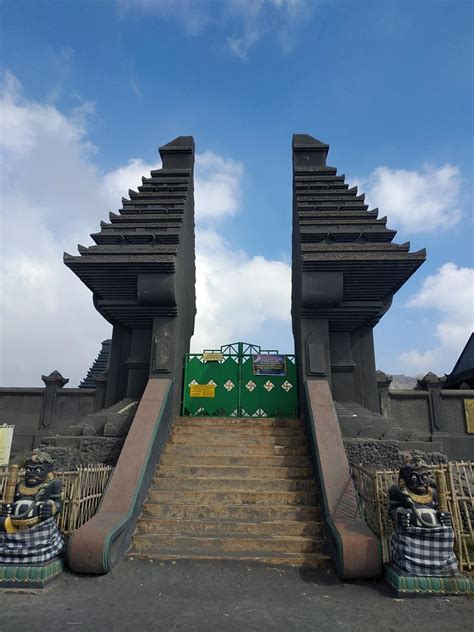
(240, 380)
(265, 420)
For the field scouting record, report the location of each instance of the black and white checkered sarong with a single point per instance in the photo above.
(32, 546)
(424, 551)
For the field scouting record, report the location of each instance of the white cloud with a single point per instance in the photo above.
(54, 195)
(240, 46)
(450, 293)
(50, 196)
(191, 15)
(241, 23)
(116, 184)
(239, 297)
(416, 201)
(218, 184)
(135, 84)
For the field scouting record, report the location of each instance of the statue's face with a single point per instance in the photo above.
(36, 473)
(417, 480)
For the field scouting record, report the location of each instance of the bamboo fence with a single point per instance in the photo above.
(3, 480)
(82, 491)
(372, 490)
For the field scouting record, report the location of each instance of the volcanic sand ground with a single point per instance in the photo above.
(225, 596)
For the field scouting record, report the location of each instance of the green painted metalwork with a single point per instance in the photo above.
(412, 586)
(238, 391)
(30, 576)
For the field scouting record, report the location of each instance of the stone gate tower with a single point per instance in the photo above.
(345, 272)
(142, 276)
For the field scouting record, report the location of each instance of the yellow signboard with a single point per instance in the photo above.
(212, 356)
(6, 436)
(469, 410)
(202, 390)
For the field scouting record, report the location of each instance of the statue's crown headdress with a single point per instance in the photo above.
(40, 457)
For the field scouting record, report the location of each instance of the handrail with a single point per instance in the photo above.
(356, 550)
(98, 545)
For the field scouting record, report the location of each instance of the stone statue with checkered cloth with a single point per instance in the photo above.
(28, 529)
(422, 544)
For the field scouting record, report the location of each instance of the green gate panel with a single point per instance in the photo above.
(238, 392)
(225, 376)
(268, 395)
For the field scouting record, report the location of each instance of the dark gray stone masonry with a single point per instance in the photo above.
(142, 275)
(345, 272)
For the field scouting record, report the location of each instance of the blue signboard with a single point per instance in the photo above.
(269, 364)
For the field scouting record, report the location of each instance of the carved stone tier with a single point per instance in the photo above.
(142, 274)
(345, 272)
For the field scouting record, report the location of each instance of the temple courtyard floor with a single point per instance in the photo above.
(225, 596)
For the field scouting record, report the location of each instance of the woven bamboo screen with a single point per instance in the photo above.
(82, 492)
(372, 489)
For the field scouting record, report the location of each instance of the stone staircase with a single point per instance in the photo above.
(229, 488)
(359, 423)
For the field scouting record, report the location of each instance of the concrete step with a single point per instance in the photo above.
(424, 446)
(311, 560)
(229, 527)
(226, 472)
(64, 442)
(233, 484)
(247, 513)
(180, 460)
(233, 497)
(229, 432)
(245, 422)
(433, 446)
(198, 450)
(361, 427)
(215, 545)
(72, 431)
(239, 439)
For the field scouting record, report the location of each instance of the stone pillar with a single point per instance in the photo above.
(138, 362)
(433, 384)
(365, 383)
(53, 383)
(100, 391)
(117, 372)
(383, 386)
(342, 366)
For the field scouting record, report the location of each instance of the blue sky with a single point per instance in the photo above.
(91, 89)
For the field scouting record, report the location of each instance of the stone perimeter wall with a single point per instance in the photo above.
(432, 413)
(37, 412)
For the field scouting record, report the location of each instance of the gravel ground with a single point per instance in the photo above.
(225, 596)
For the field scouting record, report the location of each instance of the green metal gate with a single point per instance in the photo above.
(237, 381)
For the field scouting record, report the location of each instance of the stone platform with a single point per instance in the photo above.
(406, 585)
(36, 576)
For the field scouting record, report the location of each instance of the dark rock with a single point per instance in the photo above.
(100, 450)
(379, 454)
